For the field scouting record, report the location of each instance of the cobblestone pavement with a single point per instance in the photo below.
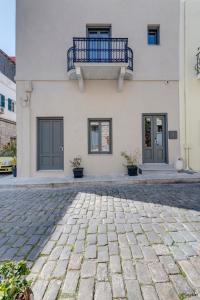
(106, 242)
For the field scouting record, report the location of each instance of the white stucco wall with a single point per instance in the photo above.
(45, 30)
(8, 89)
(44, 33)
(101, 100)
(189, 85)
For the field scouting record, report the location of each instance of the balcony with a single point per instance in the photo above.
(100, 58)
(198, 64)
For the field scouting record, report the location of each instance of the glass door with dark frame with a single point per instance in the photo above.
(154, 139)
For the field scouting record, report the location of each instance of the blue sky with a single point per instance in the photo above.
(7, 26)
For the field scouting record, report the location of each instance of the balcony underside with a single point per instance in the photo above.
(101, 71)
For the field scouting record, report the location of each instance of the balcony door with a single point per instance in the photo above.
(98, 44)
(154, 138)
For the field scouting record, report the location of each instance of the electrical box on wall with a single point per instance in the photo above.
(173, 135)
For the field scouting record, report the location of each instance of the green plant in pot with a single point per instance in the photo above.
(132, 161)
(76, 166)
(13, 282)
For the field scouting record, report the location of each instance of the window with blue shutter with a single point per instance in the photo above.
(2, 100)
(153, 35)
(9, 104)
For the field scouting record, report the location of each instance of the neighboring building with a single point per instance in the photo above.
(7, 99)
(190, 83)
(95, 78)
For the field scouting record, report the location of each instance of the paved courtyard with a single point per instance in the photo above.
(106, 242)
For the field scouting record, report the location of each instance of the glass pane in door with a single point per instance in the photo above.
(105, 137)
(159, 131)
(94, 136)
(147, 133)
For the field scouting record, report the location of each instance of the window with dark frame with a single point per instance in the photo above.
(11, 105)
(153, 35)
(99, 136)
(2, 101)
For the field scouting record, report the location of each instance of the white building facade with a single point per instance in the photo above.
(95, 79)
(190, 83)
(7, 100)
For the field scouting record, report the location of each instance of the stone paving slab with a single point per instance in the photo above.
(105, 242)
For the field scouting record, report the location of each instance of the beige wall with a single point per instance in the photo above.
(189, 85)
(45, 30)
(44, 33)
(100, 100)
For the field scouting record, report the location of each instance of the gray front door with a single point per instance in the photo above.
(50, 144)
(154, 139)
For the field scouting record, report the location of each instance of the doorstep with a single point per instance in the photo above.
(9, 182)
(157, 167)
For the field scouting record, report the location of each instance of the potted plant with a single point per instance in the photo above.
(132, 161)
(76, 166)
(13, 283)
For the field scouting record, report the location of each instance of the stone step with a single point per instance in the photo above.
(149, 167)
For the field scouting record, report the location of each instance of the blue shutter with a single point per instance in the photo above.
(9, 104)
(2, 101)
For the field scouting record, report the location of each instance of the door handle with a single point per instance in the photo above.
(62, 148)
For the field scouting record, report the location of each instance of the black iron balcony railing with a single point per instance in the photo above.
(99, 50)
(198, 62)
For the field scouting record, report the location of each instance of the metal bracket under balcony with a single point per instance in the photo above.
(198, 64)
(103, 58)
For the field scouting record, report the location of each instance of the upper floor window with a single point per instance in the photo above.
(11, 105)
(153, 35)
(2, 101)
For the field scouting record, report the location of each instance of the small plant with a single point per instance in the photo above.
(76, 166)
(76, 162)
(13, 283)
(182, 296)
(9, 149)
(131, 159)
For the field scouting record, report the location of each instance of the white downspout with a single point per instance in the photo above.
(186, 148)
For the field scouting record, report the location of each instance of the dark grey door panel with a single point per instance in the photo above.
(50, 144)
(154, 138)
